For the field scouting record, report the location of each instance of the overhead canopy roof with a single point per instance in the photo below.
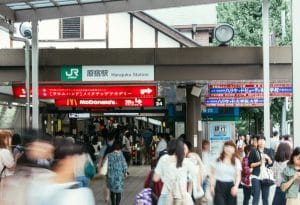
(26, 10)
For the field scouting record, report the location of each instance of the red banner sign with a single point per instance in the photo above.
(135, 102)
(90, 92)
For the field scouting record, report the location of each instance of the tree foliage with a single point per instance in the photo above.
(246, 18)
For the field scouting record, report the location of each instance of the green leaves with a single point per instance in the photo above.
(246, 18)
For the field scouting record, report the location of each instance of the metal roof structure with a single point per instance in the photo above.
(27, 10)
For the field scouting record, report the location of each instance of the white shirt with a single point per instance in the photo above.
(166, 169)
(225, 172)
(6, 159)
(59, 194)
(207, 161)
(274, 142)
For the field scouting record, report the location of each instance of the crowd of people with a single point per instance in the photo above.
(62, 167)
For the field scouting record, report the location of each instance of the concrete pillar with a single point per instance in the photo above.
(296, 70)
(193, 116)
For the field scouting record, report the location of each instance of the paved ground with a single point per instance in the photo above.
(134, 184)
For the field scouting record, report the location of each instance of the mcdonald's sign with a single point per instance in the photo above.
(72, 102)
(136, 102)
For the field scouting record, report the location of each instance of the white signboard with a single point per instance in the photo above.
(118, 73)
(219, 132)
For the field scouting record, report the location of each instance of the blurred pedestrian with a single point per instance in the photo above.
(31, 171)
(226, 176)
(282, 157)
(207, 160)
(291, 179)
(116, 173)
(246, 172)
(147, 139)
(196, 180)
(7, 162)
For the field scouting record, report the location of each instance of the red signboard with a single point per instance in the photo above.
(135, 102)
(90, 92)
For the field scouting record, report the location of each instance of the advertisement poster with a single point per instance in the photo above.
(219, 132)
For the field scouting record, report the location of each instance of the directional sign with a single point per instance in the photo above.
(90, 92)
(234, 102)
(95, 103)
(249, 90)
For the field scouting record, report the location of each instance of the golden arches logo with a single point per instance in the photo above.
(72, 102)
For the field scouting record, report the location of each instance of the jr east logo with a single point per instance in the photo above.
(71, 73)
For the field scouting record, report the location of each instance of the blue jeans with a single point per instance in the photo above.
(279, 197)
(83, 181)
(205, 184)
(162, 199)
(257, 186)
(247, 195)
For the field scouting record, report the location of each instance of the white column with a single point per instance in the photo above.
(27, 84)
(296, 69)
(35, 75)
(266, 69)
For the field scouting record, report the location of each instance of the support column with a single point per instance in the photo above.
(35, 75)
(266, 70)
(296, 69)
(193, 116)
(27, 84)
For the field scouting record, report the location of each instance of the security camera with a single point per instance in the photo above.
(25, 30)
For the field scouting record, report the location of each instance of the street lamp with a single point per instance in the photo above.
(25, 30)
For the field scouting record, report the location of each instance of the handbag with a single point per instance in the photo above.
(89, 169)
(197, 193)
(266, 175)
(103, 170)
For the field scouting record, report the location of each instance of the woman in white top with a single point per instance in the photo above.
(173, 170)
(226, 176)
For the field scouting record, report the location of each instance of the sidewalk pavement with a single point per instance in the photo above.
(135, 182)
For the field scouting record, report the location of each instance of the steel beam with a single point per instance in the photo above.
(7, 13)
(85, 9)
(165, 29)
(6, 26)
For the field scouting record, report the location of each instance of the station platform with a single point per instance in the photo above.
(134, 184)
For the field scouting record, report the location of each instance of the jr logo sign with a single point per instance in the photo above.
(71, 73)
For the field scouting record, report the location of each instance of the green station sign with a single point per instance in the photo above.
(71, 73)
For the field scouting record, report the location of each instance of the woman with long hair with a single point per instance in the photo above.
(291, 179)
(282, 157)
(226, 176)
(173, 169)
